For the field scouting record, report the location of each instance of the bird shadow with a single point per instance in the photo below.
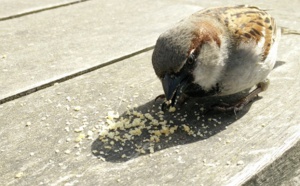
(278, 64)
(148, 130)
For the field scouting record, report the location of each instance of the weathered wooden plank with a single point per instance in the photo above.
(51, 45)
(14, 8)
(283, 171)
(38, 131)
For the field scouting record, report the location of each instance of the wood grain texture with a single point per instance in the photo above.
(38, 132)
(283, 171)
(51, 45)
(233, 149)
(12, 8)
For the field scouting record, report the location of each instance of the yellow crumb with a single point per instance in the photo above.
(19, 175)
(173, 129)
(77, 108)
(151, 148)
(187, 129)
(154, 139)
(127, 136)
(80, 137)
(111, 135)
(149, 116)
(111, 115)
(135, 132)
(156, 132)
(172, 109)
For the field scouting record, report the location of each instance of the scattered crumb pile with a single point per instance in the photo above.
(134, 125)
(151, 127)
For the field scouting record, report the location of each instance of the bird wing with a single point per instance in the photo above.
(247, 24)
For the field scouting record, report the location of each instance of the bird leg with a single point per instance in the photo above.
(262, 86)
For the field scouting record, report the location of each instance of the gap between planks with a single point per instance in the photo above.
(71, 76)
(41, 10)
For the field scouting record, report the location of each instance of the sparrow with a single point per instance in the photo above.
(217, 52)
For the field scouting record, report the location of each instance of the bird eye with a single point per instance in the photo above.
(191, 58)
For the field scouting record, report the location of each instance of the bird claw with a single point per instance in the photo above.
(162, 96)
(165, 104)
(224, 107)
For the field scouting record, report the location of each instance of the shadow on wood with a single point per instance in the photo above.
(279, 63)
(188, 124)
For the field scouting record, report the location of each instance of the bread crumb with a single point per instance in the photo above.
(151, 148)
(67, 151)
(187, 129)
(154, 139)
(240, 162)
(135, 132)
(140, 150)
(165, 130)
(111, 135)
(156, 132)
(111, 115)
(172, 109)
(173, 129)
(68, 98)
(79, 138)
(127, 136)
(77, 130)
(77, 108)
(90, 133)
(19, 175)
(107, 147)
(149, 116)
(67, 129)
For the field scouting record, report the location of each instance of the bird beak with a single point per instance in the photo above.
(171, 86)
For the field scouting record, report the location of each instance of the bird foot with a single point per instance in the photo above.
(224, 107)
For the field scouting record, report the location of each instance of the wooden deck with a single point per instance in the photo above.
(66, 64)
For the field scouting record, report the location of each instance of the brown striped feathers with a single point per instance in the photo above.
(246, 23)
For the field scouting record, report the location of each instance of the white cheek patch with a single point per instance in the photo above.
(210, 64)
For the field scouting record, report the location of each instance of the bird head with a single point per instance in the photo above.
(187, 54)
